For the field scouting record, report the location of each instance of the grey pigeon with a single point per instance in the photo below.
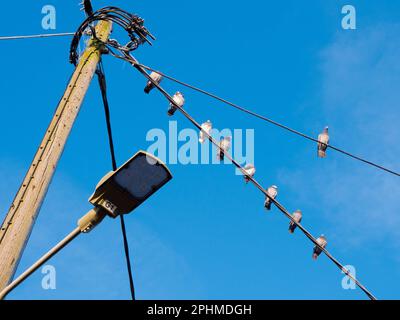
(272, 191)
(179, 99)
(250, 171)
(297, 216)
(317, 250)
(323, 141)
(224, 146)
(206, 127)
(156, 77)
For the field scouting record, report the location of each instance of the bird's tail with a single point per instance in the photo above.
(147, 89)
(321, 153)
(316, 253)
(220, 155)
(292, 226)
(171, 111)
(202, 138)
(267, 204)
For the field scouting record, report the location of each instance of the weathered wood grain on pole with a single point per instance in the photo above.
(19, 221)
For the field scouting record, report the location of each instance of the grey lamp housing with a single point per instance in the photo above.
(123, 190)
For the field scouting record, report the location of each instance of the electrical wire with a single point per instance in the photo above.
(103, 88)
(47, 35)
(142, 70)
(132, 24)
(88, 23)
(252, 113)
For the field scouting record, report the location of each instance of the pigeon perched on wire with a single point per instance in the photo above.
(224, 146)
(317, 250)
(156, 77)
(250, 171)
(323, 141)
(179, 99)
(272, 192)
(206, 127)
(297, 216)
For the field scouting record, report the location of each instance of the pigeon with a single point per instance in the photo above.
(297, 215)
(179, 99)
(206, 127)
(156, 77)
(272, 192)
(323, 141)
(224, 146)
(250, 171)
(317, 250)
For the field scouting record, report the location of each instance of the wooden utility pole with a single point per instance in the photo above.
(19, 221)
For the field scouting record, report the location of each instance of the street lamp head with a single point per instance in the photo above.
(121, 191)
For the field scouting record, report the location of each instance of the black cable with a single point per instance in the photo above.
(132, 24)
(103, 87)
(87, 7)
(270, 120)
(277, 204)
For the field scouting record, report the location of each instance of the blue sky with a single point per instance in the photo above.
(205, 235)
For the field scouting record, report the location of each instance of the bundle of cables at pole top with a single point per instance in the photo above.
(131, 23)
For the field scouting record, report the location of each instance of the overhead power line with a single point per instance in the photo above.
(142, 70)
(47, 35)
(87, 7)
(103, 88)
(252, 113)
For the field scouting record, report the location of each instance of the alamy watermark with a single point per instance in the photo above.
(49, 280)
(349, 21)
(347, 282)
(49, 20)
(183, 147)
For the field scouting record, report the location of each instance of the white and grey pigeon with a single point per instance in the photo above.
(156, 77)
(224, 146)
(179, 99)
(297, 216)
(317, 250)
(323, 141)
(206, 127)
(272, 191)
(250, 171)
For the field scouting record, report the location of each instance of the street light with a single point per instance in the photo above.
(118, 192)
(123, 190)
